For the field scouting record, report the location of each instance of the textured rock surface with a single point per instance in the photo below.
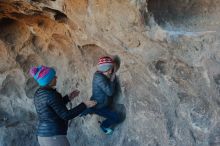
(169, 75)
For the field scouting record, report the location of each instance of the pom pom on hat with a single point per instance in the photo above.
(33, 71)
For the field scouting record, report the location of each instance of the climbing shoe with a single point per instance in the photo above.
(107, 131)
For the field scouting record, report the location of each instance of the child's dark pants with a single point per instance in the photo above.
(112, 117)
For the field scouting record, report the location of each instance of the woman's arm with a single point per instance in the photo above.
(57, 104)
(65, 99)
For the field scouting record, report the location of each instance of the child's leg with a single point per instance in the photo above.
(111, 117)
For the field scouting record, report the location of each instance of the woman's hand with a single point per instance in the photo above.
(74, 94)
(90, 103)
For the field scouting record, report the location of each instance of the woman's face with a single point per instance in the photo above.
(54, 81)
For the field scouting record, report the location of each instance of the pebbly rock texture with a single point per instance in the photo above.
(169, 79)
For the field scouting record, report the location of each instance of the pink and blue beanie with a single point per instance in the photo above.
(105, 63)
(43, 74)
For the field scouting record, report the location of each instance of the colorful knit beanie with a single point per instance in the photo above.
(105, 63)
(42, 74)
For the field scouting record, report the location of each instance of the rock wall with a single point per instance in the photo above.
(169, 76)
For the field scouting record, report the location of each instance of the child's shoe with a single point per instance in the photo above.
(107, 131)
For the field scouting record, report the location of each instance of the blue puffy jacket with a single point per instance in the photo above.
(102, 90)
(52, 112)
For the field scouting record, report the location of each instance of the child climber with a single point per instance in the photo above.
(103, 89)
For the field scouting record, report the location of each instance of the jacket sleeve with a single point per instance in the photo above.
(106, 85)
(65, 99)
(57, 105)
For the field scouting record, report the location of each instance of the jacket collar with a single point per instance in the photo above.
(48, 88)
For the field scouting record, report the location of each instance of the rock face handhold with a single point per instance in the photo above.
(169, 75)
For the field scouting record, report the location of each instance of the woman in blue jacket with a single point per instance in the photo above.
(51, 108)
